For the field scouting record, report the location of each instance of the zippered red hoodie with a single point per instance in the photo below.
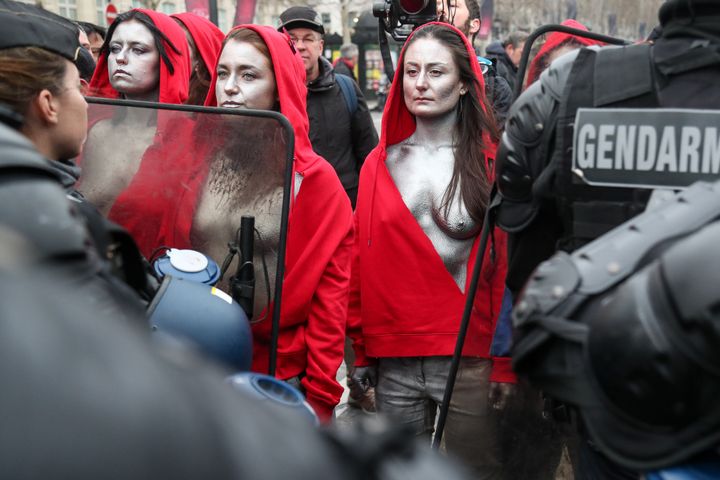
(403, 300)
(318, 252)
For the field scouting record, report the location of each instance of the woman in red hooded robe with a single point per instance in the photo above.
(258, 68)
(422, 198)
(205, 41)
(145, 57)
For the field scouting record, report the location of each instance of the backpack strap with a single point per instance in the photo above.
(348, 91)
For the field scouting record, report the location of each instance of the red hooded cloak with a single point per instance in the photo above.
(139, 207)
(403, 299)
(318, 252)
(207, 37)
(173, 86)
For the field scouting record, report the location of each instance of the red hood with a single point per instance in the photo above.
(173, 87)
(290, 81)
(398, 123)
(555, 40)
(207, 37)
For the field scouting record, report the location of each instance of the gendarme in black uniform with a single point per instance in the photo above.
(545, 206)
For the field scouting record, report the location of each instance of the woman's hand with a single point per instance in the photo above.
(499, 394)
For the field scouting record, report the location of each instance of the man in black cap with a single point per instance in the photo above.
(341, 129)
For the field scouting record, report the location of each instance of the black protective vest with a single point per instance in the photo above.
(607, 78)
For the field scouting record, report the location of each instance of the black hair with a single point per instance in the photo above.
(158, 36)
(89, 28)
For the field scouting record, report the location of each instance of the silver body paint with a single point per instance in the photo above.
(422, 173)
(422, 165)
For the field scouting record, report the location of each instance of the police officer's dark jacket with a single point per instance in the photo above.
(543, 204)
(342, 138)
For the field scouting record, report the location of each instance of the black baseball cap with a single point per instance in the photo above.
(301, 17)
(23, 25)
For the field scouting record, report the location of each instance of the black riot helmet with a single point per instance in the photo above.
(628, 330)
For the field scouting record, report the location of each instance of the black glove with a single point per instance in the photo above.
(360, 379)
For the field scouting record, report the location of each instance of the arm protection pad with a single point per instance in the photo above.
(527, 145)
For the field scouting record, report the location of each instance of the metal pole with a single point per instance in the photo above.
(464, 323)
(213, 11)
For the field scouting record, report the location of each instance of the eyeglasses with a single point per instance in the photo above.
(307, 39)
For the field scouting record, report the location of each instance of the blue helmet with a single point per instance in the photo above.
(269, 389)
(205, 316)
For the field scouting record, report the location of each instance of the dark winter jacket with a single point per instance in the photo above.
(342, 139)
(500, 95)
(341, 66)
(505, 67)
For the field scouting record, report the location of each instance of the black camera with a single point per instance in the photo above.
(400, 17)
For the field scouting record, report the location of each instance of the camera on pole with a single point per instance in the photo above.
(400, 17)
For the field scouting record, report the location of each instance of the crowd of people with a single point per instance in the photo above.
(383, 230)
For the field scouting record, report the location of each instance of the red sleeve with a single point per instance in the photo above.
(354, 320)
(502, 370)
(325, 332)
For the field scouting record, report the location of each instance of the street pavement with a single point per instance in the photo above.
(377, 118)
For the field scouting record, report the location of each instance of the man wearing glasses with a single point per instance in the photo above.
(341, 129)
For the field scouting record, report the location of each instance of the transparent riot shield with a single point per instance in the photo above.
(184, 177)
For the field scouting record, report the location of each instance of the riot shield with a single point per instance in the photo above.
(183, 177)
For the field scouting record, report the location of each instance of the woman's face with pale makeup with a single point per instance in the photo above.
(431, 79)
(133, 60)
(245, 78)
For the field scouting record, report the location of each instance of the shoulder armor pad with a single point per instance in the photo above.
(523, 151)
(555, 77)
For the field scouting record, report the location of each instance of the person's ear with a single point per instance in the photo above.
(322, 45)
(463, 89)
(474, 26)
(84, 87)
(46, 106)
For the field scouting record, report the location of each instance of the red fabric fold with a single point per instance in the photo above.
(207, 37)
